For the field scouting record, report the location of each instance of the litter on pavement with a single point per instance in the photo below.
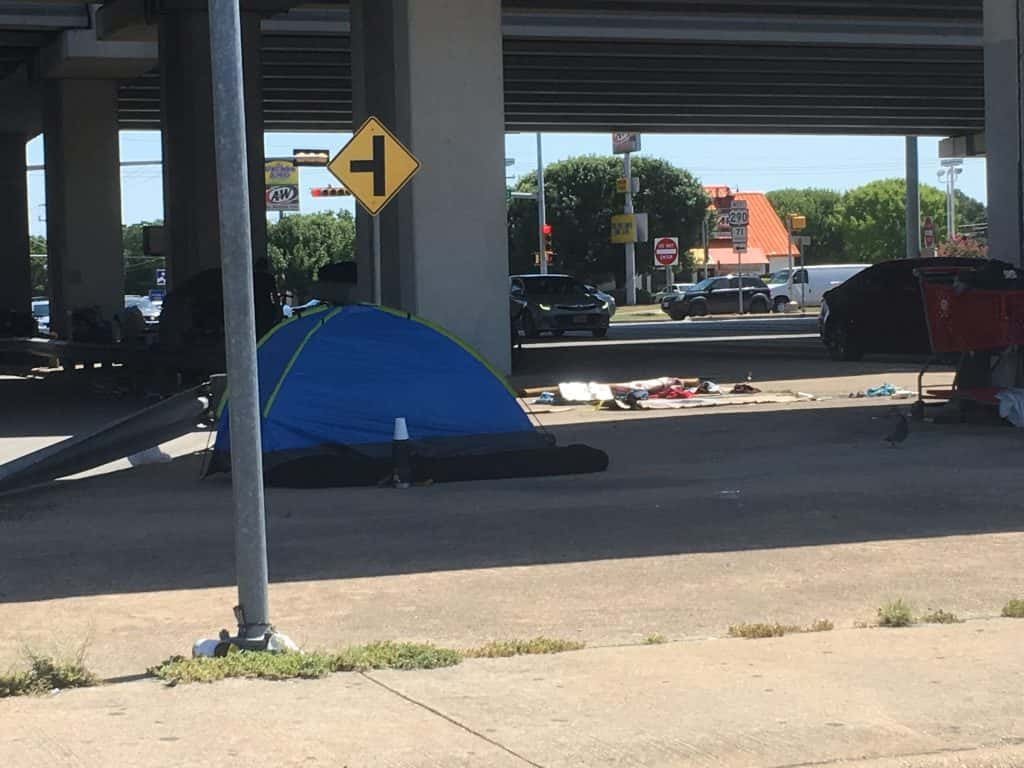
(1011, 406)
(657, 394)
(885, 390)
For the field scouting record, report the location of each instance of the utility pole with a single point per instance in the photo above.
(627, 169)
(253, 610)
(542, 253)
(913, 202)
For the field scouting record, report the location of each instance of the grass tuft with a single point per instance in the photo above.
(538, 645)
(390, 655)
(46, 673)
(895, 614)
(1014, 609)
(757, 631)
(287, 666)
(940, 617)
(655, 639)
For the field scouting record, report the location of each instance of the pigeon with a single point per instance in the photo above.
(899, 432)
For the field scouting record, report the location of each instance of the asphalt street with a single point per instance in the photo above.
(800, 332)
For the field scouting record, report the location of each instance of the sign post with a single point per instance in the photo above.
(374, 166)
(739, 220)
(253, 610)
(795, 222)
(666, 254)
(541, 207)
(282, 182)
(624, 144)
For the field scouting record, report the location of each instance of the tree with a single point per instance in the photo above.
(873, 222)
(823, 209)
(299, 245)
(37, 261)
(139, 268)
(969, 210)
(581, 199)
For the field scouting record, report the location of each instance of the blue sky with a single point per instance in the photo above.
(752, 163)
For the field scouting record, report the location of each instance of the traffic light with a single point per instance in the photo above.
(546, 230)
(330, 192)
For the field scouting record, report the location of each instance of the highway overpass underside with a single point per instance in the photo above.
(448, 76)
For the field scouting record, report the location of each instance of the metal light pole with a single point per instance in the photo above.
(627, 169)
(950, 170)
(913, 202)
(542, 254)
(253, 611)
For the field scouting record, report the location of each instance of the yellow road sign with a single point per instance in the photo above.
(623, 228)
(374, 165)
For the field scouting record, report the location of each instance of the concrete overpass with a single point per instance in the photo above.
(450, 76)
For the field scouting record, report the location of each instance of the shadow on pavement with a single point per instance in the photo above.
(712, 482)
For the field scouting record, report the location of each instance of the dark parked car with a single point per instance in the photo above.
(559, 303)
(880, 310)
(718, 296)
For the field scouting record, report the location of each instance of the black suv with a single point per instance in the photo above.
(718, 296)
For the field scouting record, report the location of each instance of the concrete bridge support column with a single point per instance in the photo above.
(431, 70)
(15, 269)
(190, 172)
(83, 199)
(1004, 127)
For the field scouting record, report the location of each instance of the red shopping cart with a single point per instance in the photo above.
(969, 311)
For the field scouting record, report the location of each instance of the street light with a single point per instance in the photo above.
(948, 173)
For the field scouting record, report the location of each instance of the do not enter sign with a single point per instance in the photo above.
(666, 251)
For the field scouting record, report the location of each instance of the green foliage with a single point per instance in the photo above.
(46, 673)
(581, 199)
(868, 224)
(139, 269)
(655, 639)
(285, 666)
(969, 210)
(1014, 609)
(40, 276)
(299, 245)
(823, 209)
(389, 655)
(940, 617)
(538, 645)
(36, 244)
(874, 219)
(895, 614)
(759, 631)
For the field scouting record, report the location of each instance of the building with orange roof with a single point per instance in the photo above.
(767, 239)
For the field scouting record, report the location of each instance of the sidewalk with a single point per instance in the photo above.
(927, 696)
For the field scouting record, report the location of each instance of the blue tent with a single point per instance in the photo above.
(333, 379)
